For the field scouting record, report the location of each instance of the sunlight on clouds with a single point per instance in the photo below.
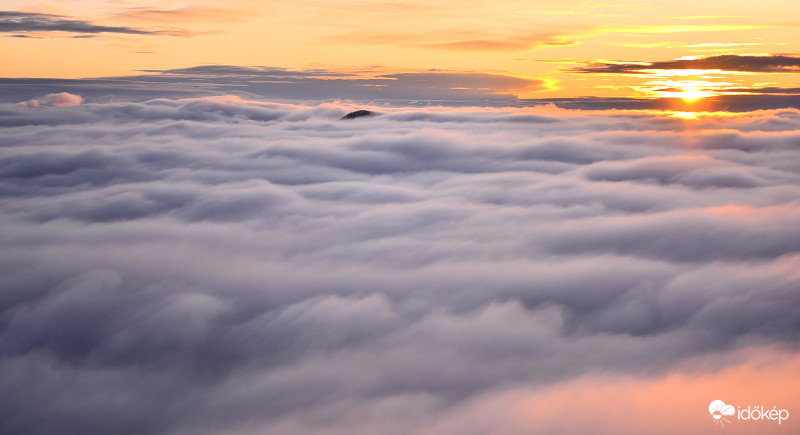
(685, 115)
(692, 94)
(353, 34)
(638, 406)
(270, 267)
(660, 29)
(398, 216)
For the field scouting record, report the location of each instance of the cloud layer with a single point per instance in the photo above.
(224, 266)
(448, 87)
(376, 85)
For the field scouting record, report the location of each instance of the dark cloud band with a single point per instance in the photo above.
(422, 88)
(16, 22)
(278, 83)
(728, 62)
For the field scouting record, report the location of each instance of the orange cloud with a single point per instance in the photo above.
(462, 41)
(501, 44)
(183, 15)
(685, 28)
(676, 403)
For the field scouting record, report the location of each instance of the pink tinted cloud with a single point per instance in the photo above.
(608, 404)
(60, 99)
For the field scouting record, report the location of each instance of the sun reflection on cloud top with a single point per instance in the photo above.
(693, 94)
(688, 90)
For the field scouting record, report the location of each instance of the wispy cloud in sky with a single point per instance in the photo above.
(190, 14)
(776, 63)
(511, 44)
(24, 22)
(461, 40)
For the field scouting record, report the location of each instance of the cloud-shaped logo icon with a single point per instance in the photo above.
(718, 410)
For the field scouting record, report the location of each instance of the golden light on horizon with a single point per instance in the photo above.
(692, 94)
(471, 36)
(687, 90)
(685, 115)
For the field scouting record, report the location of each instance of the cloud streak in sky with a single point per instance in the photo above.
(776, 63)
(192, 14)
(11, 22)
(27, 22)
(463, 40)
(219, 265)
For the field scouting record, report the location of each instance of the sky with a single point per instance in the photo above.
(554, 217)
(686, 50)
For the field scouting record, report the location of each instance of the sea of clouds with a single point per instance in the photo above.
(217, 265)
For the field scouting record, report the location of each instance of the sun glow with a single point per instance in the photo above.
(684, 115)
(693, 94)
(687, 90)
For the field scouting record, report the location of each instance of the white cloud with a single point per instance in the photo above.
(59, 99)
(209, 265)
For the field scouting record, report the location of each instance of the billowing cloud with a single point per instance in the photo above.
(59, 99)
(219, 265)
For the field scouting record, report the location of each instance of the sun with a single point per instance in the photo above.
(691, 95)
(687, 90)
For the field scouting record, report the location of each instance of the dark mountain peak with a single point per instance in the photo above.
(359, 114)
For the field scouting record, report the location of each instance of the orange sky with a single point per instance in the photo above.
(536, 40)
